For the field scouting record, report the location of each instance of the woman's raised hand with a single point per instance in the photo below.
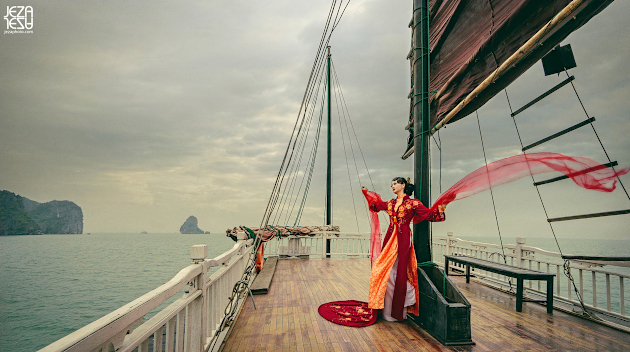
(363, 188)
(441, 208)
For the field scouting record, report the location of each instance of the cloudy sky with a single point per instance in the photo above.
(144, 113)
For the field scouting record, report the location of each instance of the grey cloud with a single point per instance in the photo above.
(148, 112)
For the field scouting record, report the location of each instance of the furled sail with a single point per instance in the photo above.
(479, 47)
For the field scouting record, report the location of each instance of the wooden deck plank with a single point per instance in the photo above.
(263, 280)
(287, 318)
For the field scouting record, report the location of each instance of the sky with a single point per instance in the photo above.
(144, 113)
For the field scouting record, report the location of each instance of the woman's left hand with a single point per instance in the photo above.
(441, 208)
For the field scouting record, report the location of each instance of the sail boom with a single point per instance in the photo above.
(512, 60)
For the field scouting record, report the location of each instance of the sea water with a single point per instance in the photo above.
(52, 285)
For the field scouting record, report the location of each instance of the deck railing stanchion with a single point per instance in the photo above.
(558, 281)
(449, 251)
(622, 303)
(582, 283)
(197, 318)
(608, 291)
(594, 290)
(520, 262)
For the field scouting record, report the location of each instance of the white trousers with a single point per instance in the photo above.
(410, 297)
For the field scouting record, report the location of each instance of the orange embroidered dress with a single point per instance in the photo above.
(397, 248)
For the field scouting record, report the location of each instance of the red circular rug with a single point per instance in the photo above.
(348, 313)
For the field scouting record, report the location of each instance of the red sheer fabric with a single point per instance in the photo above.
(375, 226)
(585, 172)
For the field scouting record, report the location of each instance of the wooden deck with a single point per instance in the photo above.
(287, 318)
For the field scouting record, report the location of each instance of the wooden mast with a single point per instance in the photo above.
(329, 162)
(421, 120)
(448, 323)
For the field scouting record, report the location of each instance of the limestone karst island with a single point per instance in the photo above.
(190, 226)
(22, 216)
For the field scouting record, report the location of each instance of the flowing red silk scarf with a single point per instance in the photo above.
(375, 227)
(585, 172)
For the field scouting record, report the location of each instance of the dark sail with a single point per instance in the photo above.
(471, 39)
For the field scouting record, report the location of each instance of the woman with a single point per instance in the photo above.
(389, 291)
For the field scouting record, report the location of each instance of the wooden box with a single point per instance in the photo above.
(445, 316)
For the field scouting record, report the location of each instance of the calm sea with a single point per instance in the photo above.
(52, 285)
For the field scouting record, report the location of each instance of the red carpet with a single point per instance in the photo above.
(348, 313)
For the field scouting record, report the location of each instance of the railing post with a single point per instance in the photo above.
(198, 253)
(622, 302)
(449, 236)
(519, 252)
(197, 318)
(324, 241)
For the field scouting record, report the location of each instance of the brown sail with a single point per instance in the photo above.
(471, 40)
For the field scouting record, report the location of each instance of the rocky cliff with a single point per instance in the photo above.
(22, 216)
(14, 220)
(190, 226)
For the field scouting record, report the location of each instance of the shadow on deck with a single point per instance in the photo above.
(287, 318)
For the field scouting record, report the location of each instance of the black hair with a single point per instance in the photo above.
(408, 185)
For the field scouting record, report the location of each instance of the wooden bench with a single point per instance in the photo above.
(508, 270)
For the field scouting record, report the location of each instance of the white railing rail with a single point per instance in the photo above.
(187, 324)
(589, 276)
(341, 244)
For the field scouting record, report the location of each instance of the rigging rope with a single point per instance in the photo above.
(440, 147)
(311, 168)
(566, 265)
(283, 168)
(356, 138)
(496, 218)
(294, 174)
(279, 198)
(356, 217)
(597, 135)
(242, 285)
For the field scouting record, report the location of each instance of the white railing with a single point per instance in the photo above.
(341, 244)
(188, 324)
(192, 321)
(589, 276)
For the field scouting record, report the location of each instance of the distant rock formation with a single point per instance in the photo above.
(14, 220)
(190, 226)
(22, 216)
